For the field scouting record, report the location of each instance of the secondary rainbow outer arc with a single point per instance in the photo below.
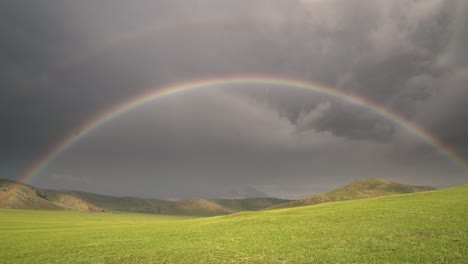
(122, 41)
(86, 56)
(119, 109)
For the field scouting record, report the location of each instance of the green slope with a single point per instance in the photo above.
(193, 206)
(250, 204)
(364, 188)
(22, 196)
(125, 204)
(426, 227)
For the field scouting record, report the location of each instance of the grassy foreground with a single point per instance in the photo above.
(423, 227)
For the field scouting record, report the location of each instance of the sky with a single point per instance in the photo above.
(64, 63)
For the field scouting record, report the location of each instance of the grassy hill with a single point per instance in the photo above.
(365, 188)
(29, 197)
(193, 206)
(250, 204)
(426, 227)
(22, 196)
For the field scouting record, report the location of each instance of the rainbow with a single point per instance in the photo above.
(141, 35)
(158, 93)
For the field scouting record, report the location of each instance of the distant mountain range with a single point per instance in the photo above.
(365, 188)
(29, 197)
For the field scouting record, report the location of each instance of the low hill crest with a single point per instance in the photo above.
(29, 197)
(358, 189)
(22, 196)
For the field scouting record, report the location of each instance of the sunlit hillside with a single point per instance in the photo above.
(427, 227)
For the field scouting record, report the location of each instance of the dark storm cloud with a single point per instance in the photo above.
(53, 78)
(202, 139)
(61, 63)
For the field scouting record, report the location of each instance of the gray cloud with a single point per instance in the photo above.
(186, 145)
(64, 62)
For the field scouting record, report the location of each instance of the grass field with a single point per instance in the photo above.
(423, 227)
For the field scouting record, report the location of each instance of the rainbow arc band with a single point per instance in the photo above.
(158, 93)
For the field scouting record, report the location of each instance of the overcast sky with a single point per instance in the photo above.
(64, 62)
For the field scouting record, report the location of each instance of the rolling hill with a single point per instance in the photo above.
(425, 227)
(29, 197)
(365, 188)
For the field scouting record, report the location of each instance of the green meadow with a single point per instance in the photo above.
(426, 227)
